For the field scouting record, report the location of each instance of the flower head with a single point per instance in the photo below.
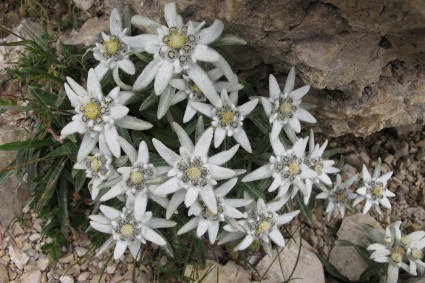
(193, 173)
(374, 191)
(98, 115)
(136, 179)
(205, 220)
(339, 197)
(283, 107)
(262, 224)
(286, 167)
(175, 47)
(128, 230)
(228, 119)
(113, 53)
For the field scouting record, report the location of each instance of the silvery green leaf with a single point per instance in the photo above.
(307, 106)
(377, 170)
(110, 183)
(132, 123)
(144, 22)
(229, 39)
(126, 19)
(199, 128)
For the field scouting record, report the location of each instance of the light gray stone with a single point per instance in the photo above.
(88, 34)
(14, 192)
(18, 257)
(33, 276)
(43, 263)
(345, 259)
(84, 5)
(308, 270)
(66, 279)
(4, 276)
(229, 273)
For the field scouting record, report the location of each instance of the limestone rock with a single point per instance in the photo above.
(88, 34)
(84, 5)
(14, 193)
(18, 257)
(229, 273)
(364, 58)
(4, 276)
(308, 270)
(346, 259)
(33, 276)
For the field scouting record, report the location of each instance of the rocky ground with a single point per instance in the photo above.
(401, 149)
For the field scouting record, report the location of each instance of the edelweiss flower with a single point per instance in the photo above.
(135, 179)
(414, 243)
(339, 196)
(127, 230)
(113, 53)
(175, 48)
(98, 167)
(193, 173)
(261, 224)
(228, 119)
(206, 220)
(283, 108)
(391, 251)
(374, 191)
(98, 115)
(188, 89)
(286, 167)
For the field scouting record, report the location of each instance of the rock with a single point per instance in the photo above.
(33, 276)
(361, 57)
(14, 192)
(66, 279)
(18, 257)
(308, 270)
(88, 34)
(83, 276)
(35, 237)
(345, 259)
(97, 279)
(229, 273)
(4, 276)
(84, 5)
(43, 263)
(67, 259)
(80, 251)
(111, 269)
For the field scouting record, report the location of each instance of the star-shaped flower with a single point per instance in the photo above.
(175, 47)
(287, 168)
(193, 173)
(135, 179)
(261, 224)
(374, 191)
(127, 230)
(339, 197)
(113, 53)
(98, 115)
(228, 119)
(205, 220)
(283, 107)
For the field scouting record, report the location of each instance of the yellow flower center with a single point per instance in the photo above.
(127, 230)
(397, 254)
(91, 110)
(340, 196)
(198, 92)
(176, 40)
(112, 46)
(285, 108)
(388, 240)
(294, 168)
(263, 227)
(209, 212)
(318, 168)
(95, 164)
(227, 117)
(417, 254)
(405, 241)
(136, 177)
(378, 191)
(193, 173)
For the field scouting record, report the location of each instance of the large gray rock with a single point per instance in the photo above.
(345, 259)
(14, 194)
(308, 269)
(363, 57)
(229, 273)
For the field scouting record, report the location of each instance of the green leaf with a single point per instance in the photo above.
(63, 206)
(65, 149)
(303, 208)
(331, 269)
(261, 124)
(331, 152)
(371, 270)
(150, 100)
(254, 191)
(21, 145)
(80, 178)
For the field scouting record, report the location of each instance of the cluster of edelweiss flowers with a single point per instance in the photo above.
(185, 66)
